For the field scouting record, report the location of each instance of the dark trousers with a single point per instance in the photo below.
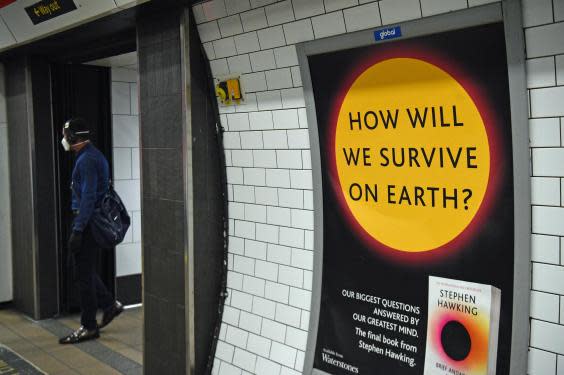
(93, 292)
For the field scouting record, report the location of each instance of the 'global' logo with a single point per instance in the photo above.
(394, 32)
(386, 33)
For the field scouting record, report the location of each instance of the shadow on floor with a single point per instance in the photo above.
(118, 351)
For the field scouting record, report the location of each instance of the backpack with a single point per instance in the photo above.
(110, 221)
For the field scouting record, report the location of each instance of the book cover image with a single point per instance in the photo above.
(463, 325)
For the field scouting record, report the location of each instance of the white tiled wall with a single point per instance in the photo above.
(125, 128)
(5, 224)
(544, 30)
(269, 169)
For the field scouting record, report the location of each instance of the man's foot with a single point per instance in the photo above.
(81, 334)
(111, 313)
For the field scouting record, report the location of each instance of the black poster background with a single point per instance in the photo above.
(348, 263)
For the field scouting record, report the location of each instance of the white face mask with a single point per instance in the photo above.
(65, 144)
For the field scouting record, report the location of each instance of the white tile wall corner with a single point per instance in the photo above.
(128, 259)
(560, 70)
(541, 72)
(544, 81)
(432, 7)
(545, 306)
(545, 132)
(545, 191)
(537, 12)
(545, 40)
(541, 362)
(124, 75)
(126, 167)
(328, 24)
(548, 161)
(545, 249)
(332, 5)
(121, 98)
(558, 10)
(363, 17)
(308, 8)
(394, 11)
(547, 336)
(6, 292)
(546, 102)
(125, 131)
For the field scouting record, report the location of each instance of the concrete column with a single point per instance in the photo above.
(182, 196)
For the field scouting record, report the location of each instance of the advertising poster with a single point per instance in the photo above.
(418, 229)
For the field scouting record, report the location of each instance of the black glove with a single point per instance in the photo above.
(75, 241)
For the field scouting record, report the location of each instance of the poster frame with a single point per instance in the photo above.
(508, 12)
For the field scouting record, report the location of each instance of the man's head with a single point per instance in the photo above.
(75, 134)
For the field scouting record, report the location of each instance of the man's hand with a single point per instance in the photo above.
(75, 241)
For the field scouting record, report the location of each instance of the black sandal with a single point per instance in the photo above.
(81, 334)
(111, 313)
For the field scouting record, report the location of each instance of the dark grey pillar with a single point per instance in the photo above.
(32, 187)
(183, 196)
(163, 179)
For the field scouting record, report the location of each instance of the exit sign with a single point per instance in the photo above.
(49, 9)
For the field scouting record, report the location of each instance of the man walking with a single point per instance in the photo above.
(90, 181)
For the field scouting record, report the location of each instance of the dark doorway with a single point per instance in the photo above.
(79, 90)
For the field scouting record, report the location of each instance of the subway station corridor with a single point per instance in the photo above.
(118, 351)
(306, 187)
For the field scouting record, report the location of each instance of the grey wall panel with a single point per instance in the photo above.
(161, 170)
(19, 136)
(44, 190)
(6, 277)
(170, 226)
(166, 130)
(32, 187)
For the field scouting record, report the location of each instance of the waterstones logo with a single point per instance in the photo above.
(337, 363)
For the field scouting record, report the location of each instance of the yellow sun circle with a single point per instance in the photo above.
(412, 154)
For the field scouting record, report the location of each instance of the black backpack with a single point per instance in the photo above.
(110, 221)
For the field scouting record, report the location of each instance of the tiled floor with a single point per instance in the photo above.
(118, 350)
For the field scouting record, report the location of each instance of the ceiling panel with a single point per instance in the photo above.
(129, 3)
(127, 60)
(6, 37)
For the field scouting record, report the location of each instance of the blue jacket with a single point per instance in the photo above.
(90, 181)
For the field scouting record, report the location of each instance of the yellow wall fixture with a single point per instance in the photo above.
(229, 91)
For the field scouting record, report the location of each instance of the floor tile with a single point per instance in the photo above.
(47, 363)
(74, 357)
(133, 354)
(119, 347)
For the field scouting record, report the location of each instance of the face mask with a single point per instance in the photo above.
(65, 144)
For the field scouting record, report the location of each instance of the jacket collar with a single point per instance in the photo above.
(88, 146)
